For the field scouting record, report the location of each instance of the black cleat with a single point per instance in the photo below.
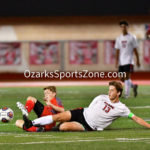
(27, 123)
(40, 129)
(56, 128)
(135, 90)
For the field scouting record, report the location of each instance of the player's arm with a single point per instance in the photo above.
(117, 57)
(137, 57)
(57, 108)
(139, 121)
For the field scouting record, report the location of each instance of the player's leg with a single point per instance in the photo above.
(134, 86)
(75, 117)
(66, 126)
(38, 108)
(33, 104)
(135, 90)
(127, 85)
(19, 123)
(71, 126)
(126, 78)
(128, 82)
(30, 103)
(123, 78)
(77, 122)
(22, 108)
(121, 69)
(61, 117)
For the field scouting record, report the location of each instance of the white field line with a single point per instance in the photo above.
(23, 135)
(49, 142)
(132, 139)
(7, 124)
(139, 107)
(82, 140)
(41, 137)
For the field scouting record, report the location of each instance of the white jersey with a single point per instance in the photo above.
(102, 112)
(126, 44)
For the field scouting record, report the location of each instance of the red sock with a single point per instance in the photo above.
(32, 129)
(29, 105)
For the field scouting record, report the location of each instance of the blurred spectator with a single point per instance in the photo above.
(147, 31)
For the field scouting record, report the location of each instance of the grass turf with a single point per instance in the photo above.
(122, 134)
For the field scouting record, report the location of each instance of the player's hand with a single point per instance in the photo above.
(46, 98)
(48, 103)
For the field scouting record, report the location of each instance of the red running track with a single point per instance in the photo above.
(64, 83)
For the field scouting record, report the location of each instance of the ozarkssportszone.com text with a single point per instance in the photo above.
(84, 74)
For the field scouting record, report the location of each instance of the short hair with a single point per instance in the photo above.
(123, 22)
(118, 86)
(51, 88)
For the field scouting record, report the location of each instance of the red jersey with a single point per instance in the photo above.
(48, 110)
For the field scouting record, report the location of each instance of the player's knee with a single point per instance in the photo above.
(19, 123)
(32, 99)
(63, 127)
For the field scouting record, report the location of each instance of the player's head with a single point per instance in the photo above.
(49, 92)
(115, 90)
(124, 26)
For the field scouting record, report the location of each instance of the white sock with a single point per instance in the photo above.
(43, 120)
(132, 85)
(127, 87)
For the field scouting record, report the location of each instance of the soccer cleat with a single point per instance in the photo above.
(27, 123)
(135, 90)
(56, 128)
(40, 129)
(22, 108)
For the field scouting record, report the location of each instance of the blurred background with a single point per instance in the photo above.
(69, 35)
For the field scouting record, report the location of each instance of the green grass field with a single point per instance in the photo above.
(123, 134)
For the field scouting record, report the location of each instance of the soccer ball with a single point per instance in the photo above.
(6, 114)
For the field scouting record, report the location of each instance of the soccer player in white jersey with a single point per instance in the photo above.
(126, 46)
(102, 111)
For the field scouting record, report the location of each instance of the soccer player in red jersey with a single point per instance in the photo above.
(53, 106)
